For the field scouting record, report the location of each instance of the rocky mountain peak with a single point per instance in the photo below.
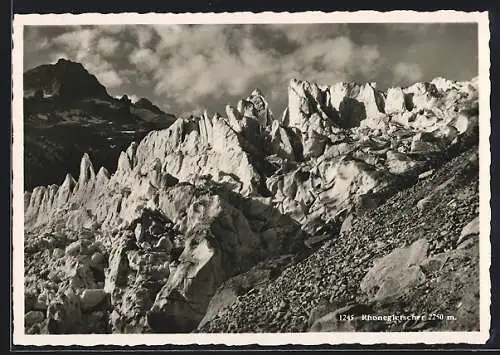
(125, 99)
(65, 78)
(148, 105)
(66, 63)
(256, 92)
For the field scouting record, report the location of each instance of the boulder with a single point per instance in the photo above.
(426, 174)
(58, 253)
(470, 230)
(74, 248)
(424, 143)
(424, 203)
(397, 272)
(164, 243)
(64, 313)
(33, 317)
(347, 224)
(129, 316)
(401, 164)
(91, 298)
(97, 260)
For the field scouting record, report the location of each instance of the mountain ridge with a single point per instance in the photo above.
(67, 112)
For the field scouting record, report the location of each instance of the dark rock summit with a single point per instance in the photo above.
(66, 79)
(147, 105)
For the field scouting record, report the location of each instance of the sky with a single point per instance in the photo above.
(185, 69)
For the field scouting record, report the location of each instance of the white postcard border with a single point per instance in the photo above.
(445, 16)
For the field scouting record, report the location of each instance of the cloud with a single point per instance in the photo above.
(310, 32)
(107, 46)
(110, 79)
(170, 36)
(417, 29)
(113, 29)
(144, 35)
(34, 42)
(407, 73)
(78, 42)
(201, 62)
(196, 111)
(368, 60)
(188, 63)
(144, 59)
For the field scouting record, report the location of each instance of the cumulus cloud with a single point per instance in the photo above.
(107, 46)
(144, 59)
(195, 62)
(110, 78)
(407, 73)
(199, 61)
(34, 42)
(144, 35)
(91, 48)
(78, 42)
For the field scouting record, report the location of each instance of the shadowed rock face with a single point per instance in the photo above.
(226, 193)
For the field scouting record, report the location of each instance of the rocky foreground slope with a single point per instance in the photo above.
(214, 223)
(417, 254)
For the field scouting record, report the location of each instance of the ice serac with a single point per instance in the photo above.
(342, 105)
(65, 190)
(261, 108)
(281, 142)
(87, 176)
(356, 140)
(323, 128)
(395, 101)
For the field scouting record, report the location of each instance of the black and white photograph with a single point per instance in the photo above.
(278, 178)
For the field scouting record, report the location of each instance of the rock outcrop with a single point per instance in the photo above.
(194, 214)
